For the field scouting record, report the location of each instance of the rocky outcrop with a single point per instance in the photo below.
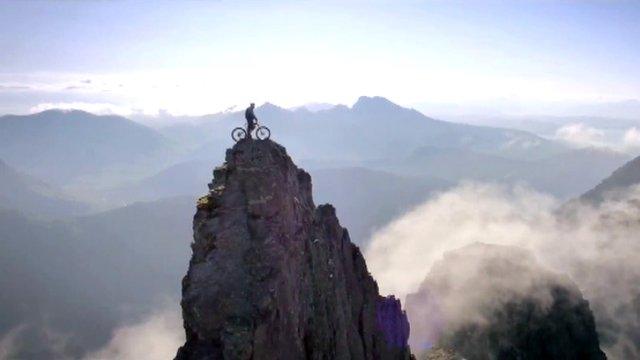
(272, 276)
(496, 302)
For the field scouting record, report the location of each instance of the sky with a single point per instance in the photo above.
(197, 57)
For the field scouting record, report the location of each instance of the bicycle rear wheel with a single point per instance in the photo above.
(238, 134)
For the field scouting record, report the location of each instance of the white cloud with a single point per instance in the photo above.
(289, 79)
(597, 247)
(9, 342)
(631, 138)
(157, 337)
(401, 254)
(580, 134)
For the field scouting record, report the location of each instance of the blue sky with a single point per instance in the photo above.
(192, 57)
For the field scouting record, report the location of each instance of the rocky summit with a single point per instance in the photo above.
(272, 276)
(483, 302)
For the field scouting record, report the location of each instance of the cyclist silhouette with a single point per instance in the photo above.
(262, 132)
(251, 119)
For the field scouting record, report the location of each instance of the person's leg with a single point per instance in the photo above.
(250, 126)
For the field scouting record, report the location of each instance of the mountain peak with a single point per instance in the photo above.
(366, 102)
(64, 112)
(270, 107)
(272, 274)
(314, 107)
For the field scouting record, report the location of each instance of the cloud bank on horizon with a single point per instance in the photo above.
(202, 57)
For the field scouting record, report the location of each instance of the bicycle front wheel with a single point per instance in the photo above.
(263, 133)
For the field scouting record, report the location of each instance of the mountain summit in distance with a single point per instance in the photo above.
(374, 127)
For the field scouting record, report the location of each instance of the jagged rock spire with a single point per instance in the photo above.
(274, 277)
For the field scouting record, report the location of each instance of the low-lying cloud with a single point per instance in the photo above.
(156, 337)
(401, 254)
(580, 134)
(36, 340)
(596, 246)
(631, 138)
(477, 297)
(9, 342)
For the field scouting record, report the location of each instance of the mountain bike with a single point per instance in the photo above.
(261, 132)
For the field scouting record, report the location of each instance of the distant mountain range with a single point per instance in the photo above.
(365, 198)
(87, 275)
(81, 151)
(564, 174)
(372, 128)
(60, 146)
(31, 196)
(377, 134)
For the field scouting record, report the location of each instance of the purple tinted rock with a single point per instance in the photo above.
(393, 322)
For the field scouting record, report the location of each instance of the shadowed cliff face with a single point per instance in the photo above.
(272, 276)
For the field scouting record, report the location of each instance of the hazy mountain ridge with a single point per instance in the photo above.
(619, 181)
(365, 198)
(584, 167)
(85, 276)
(181, 179)
(98, 152)
(60, 146)
(343, 132)
(610, 132)
(29, 195)
(375, 133)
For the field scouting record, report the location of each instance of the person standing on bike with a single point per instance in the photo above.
(251, 119)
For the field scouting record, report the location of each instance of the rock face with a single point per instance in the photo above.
(274, 277)
(496, 302)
